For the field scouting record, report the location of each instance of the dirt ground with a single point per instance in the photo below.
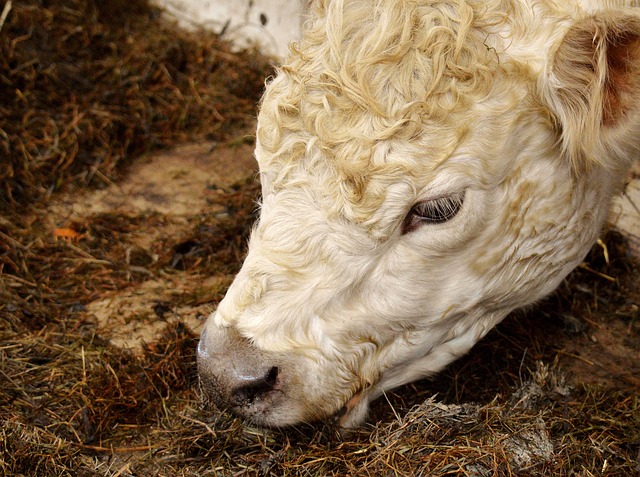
(179, 188)
(124, 213)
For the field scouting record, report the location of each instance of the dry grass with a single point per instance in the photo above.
(84, 90)
(87, 85)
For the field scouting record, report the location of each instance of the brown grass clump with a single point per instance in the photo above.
(87, 85)
(550, 392)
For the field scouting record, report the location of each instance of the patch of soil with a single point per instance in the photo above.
(171, 210)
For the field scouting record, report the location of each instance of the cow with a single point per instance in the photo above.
(427, 167)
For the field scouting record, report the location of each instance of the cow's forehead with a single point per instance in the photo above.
(368, 93)
(370, 182)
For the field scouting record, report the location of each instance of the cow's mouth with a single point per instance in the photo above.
(344, 414)
(354, 411)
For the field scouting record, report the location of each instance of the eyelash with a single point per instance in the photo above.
(435, 211)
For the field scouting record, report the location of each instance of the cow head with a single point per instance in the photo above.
(425, 170)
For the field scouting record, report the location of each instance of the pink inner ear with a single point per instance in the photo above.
(623, 76)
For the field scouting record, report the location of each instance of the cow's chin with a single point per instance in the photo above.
(278, 409)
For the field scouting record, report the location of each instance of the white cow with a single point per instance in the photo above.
(427, 167)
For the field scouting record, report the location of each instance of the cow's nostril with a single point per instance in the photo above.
(255, 387)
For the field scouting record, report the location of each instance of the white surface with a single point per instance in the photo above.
(270, 24)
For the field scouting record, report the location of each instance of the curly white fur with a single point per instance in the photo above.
(529, 108)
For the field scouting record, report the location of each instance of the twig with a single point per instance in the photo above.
(13, 241)
(87, 255)
(117, 450)
(600, 274)
(196, 421)
(5, 13)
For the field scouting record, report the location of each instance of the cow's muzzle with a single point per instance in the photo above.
(237, 376)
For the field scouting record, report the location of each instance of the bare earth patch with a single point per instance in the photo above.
(179, 187)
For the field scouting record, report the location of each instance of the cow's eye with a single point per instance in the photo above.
(434, 211)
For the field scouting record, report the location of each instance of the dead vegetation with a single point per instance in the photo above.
(85, 89)
(87, 85)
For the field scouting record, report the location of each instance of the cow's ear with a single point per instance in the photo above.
(594, 89)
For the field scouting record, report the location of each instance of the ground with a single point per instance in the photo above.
(181, 189)
(124, 214)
